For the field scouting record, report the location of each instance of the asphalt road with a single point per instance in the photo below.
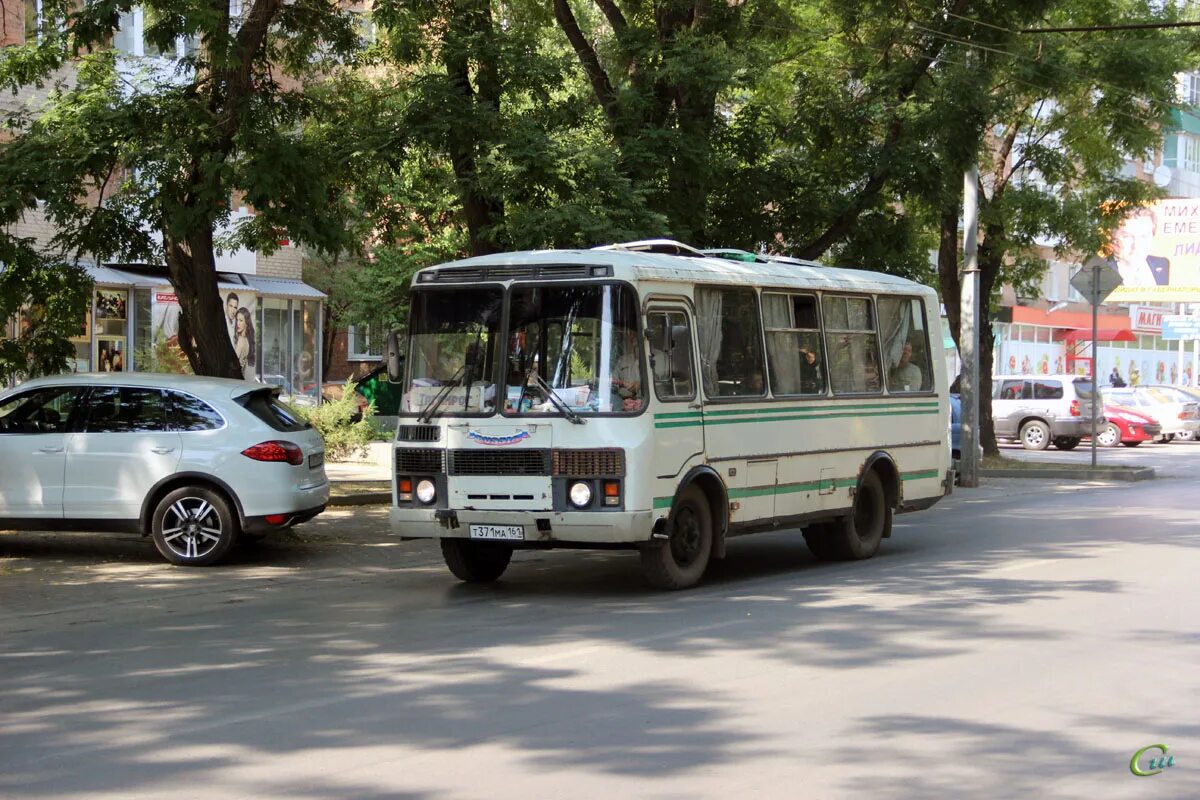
(1020, 640)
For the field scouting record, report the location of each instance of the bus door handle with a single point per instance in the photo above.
(695, 405)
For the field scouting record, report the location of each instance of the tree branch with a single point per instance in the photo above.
(613, 14)
(601, 85)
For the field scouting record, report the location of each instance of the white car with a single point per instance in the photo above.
(1178, 414)
(193, 462)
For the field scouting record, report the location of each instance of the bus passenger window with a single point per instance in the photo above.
(905, 344)
(853, 345)
(793, 344)
(731, 359)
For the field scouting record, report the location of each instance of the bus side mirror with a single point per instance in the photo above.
(395, 364)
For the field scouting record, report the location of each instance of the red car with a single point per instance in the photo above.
(1126, 426)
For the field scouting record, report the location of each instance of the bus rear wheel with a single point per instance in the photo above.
(858, 534)
(680, 561)
(476, 562)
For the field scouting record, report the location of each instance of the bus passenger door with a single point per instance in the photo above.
(678, 417)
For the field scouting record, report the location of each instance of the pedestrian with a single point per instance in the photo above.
(1115, 380)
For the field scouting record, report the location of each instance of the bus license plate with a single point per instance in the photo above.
(507, 532)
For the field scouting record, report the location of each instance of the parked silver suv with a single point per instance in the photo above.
(1039, 409)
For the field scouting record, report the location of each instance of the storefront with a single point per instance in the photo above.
(1042, 342)
(133, 324)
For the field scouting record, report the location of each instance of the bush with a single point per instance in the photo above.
(345, 429)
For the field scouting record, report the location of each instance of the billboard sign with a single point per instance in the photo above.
(1157, 252)
(1180, 326)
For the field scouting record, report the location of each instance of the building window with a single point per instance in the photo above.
(36, 20)
(1189, 153)
(364, 342)
(1193, 93)
(131, 40)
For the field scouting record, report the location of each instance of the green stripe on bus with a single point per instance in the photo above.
(803, 486)
(793, 409)
(795, 416)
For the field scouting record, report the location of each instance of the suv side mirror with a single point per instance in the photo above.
(395, 364)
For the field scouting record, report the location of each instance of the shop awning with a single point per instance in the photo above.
(111, 276)
(283, 287)
(1102, 335)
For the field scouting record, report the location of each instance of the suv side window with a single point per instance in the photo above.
(1012, 390)
(40, 411)
(113, 409)
(192, 414)
(1047, 390)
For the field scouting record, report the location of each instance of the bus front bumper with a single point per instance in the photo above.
(544, 527)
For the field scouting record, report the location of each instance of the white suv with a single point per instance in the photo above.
(193, 462)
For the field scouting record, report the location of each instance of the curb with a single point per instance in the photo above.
(361, 499)
(1081, 473)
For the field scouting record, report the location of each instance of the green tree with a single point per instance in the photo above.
(160, 151)
(1055, 119)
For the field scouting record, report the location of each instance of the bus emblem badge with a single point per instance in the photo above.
(498, 441)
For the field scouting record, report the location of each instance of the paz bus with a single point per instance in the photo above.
(653, 397)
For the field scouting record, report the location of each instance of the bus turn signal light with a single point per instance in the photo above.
(612, 493)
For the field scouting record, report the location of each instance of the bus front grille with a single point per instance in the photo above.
(499, 462)
(419, 461)
(419, 433)
(599, 463)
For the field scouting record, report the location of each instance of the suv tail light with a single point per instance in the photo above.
(1075, 408)
(275, 451)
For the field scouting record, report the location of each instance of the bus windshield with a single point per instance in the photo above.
(578, 343)
(451, 357)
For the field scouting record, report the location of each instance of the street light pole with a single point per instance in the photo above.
(1095, 351)
(968, 335)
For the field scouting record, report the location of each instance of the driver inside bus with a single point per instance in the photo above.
(627, 373)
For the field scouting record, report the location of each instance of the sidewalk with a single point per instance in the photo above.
(359, 483)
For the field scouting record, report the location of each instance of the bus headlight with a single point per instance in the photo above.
(426, 492)
(580, 494)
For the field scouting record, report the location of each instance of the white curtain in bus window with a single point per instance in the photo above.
(905, 344)
(793, 344)
(853, 356)
(730, 349)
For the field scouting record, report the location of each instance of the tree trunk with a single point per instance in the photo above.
(470, 24)
(203, 335)
(949, 281)
(991, 259)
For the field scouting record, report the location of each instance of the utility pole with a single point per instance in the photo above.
(968, 333)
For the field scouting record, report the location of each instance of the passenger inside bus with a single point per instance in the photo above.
(627, 374)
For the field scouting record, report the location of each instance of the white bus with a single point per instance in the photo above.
(625, 398)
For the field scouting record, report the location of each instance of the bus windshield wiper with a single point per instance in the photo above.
(433, 405)
(558, 403)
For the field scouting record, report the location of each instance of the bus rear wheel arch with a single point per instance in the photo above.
(856, 535)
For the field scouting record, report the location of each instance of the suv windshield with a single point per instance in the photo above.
(574, 348)
(452, 342)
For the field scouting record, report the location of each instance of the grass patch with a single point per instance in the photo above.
(1003, 462)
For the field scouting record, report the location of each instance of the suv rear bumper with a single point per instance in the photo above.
(1076, 427)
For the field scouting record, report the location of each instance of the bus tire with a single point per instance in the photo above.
(476, 562)
(858, 534)
(680, 561)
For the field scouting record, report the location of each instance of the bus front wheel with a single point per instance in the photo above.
(476, 562)
(680, 561)
(858, 534)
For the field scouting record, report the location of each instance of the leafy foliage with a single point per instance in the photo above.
(346, 430)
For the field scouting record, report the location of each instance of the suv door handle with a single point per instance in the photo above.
(162, 451)
(52, 449)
